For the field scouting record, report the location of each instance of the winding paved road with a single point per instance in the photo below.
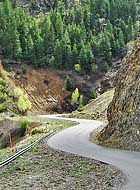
(76, 140)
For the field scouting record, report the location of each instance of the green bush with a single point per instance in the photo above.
(24, 104)
(24, 123)
(93, 93)
(18, 92)
(77, 67)
(75, 96)
(81, 101)
(81, 104)
(3, 107)
(2, 81)
(12, 98)
(38, 130)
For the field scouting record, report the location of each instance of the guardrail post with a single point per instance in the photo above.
(11, 143)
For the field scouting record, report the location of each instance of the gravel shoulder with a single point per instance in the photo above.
(46, 169)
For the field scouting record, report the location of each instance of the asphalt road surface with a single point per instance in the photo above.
(76, 140)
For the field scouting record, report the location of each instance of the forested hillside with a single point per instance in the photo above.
(69, 36)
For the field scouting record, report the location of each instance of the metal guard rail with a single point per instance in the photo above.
(29, 147)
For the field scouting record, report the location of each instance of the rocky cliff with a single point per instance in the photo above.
(123, 130)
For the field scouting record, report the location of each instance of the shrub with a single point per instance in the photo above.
(81, 101)
(12, 98)
(3, 107)
(41, 129)
(24, 123)
(23, 103)
(2, 81)
(81, 105)
(24, 70)
(18, 92)
(77, 67)
(93, 93)
(75, 96)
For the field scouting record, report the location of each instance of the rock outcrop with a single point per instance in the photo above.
(123, 130)
(35, 6)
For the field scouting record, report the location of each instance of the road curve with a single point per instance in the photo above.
(76, 140)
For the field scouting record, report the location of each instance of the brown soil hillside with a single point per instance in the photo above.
(45, 89)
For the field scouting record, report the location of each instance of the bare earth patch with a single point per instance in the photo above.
(46, 169)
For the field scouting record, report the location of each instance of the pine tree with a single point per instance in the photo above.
(68, 84)
(58, 53)
(121, 39)
(69, 35)
(105, 46)
(58, 25)
(83, 57)
(130, 29)
(74, 55)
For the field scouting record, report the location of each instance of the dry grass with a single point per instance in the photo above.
(96, 109)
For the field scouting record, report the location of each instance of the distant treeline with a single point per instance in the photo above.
(69, 36)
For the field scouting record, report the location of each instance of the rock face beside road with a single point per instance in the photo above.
(123, 130)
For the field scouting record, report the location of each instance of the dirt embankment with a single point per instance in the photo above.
(11, 131)
(45, 89)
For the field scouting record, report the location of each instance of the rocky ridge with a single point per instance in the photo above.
(123, 130)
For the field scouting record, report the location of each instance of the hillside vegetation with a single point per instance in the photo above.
(96, 109)
(12, 98)
(69, 36)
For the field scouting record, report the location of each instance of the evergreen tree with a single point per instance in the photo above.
(68, 84)
(69, 35)
(58, 53)
(121, 39)
(130, 34)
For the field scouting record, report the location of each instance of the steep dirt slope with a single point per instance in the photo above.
(123, 129)
(45, 89)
